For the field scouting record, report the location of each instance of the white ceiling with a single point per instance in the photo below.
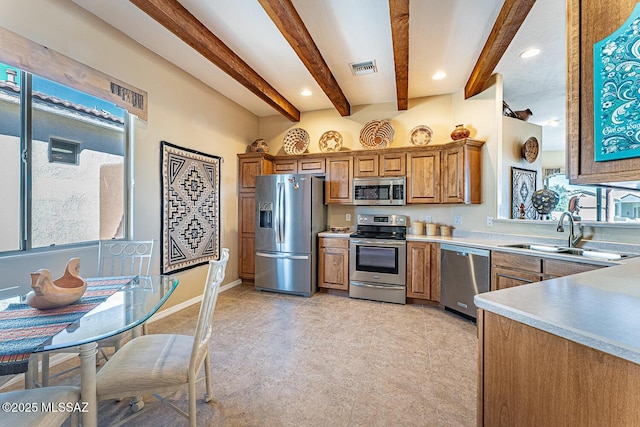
(539, 83)
(443, 35)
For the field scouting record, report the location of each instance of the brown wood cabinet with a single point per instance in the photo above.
(533, 378)
(423, 177)
(462, 174)
(365, 165)
(250, 165)
(285, 166)
(423, 270)
(338, 180)
(556, 268)
(333, 263)
(509, 269)
(313, 165)
(587, 23)
(393, 164)
(374, 165)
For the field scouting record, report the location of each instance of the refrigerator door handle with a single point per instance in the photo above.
(278, 211)
(283, 213)
(266, 255)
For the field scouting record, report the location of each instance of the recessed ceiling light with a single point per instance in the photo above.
(531, 52)
(552, 122)
(439, 75)
(306, 92)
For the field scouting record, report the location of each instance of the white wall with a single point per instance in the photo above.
(514, 133)
(182, 111)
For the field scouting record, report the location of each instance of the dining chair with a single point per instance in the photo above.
(123, 258)
(115, 258)
(41, 407)
(162, 363)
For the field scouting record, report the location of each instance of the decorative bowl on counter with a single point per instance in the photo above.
(339, 229)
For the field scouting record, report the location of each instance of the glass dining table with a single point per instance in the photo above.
(126, 309)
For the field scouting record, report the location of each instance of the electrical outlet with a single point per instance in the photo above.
(457, 220)
(489, 221)
(428, 219)
(347, 217)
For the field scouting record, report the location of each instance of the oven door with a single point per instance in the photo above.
(378, 261)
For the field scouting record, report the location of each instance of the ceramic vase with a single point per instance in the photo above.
(460, 132)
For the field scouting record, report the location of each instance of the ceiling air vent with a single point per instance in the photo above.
(366, 67)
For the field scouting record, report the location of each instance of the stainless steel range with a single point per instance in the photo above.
(378, 258)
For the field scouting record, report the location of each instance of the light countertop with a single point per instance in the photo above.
(599, 308)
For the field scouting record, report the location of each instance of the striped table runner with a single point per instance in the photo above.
(23, 329)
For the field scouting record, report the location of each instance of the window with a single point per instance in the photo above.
(595, 203)
(62, 164)
(63, 151)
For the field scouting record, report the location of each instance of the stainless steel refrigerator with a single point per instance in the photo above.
(290, 212)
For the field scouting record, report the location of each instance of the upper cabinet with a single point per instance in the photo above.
(338, 180)
(589, 22)
(423, 177)
(374, 165)
(462, 173)
(450, 173)
(311, 165)
(250, 166)
(439, 173)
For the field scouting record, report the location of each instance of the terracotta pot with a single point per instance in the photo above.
(460, 132)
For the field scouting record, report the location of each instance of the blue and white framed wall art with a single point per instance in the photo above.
(616, 79)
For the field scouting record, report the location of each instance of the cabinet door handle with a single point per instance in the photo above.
(515, 278)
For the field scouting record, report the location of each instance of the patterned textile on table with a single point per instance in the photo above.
(23, 329)
(190, 208)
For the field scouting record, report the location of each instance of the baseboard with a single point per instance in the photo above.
(188, 303)
(63, 357)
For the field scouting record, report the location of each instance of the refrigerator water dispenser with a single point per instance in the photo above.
(266, 215)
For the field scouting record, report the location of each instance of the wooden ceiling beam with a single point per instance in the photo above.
(175, 18)
(509, 20)
(286, 18)
(399, 15)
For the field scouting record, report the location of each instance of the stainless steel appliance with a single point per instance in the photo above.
(464, 273)
(379, 191)
(378, 258)
(290, 212)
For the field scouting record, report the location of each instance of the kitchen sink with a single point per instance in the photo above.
(587, 253)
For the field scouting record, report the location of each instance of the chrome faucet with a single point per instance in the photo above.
(574, 239)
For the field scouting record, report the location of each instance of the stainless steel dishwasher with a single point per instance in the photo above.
(464, 274)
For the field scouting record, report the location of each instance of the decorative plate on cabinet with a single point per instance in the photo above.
(331, 140)
(377, 134)
(420, 135)
(530, 149)
(296, 141)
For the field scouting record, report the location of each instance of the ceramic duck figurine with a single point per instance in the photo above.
(48, 293)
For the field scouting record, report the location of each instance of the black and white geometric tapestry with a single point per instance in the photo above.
(190, 208)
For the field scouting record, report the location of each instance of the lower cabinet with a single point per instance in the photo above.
(423, 270)
(529, 377)
(333, 263)
(509, 269)
(246, 241)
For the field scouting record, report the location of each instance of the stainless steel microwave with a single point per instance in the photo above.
(379, 191)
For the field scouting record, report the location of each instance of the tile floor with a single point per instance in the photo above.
(280, 360)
